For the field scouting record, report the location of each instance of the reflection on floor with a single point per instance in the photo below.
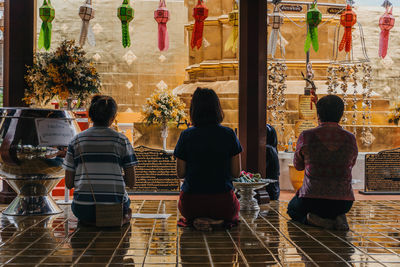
(266, 238)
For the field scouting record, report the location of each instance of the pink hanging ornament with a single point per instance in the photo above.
(386, 23)
(161, 15)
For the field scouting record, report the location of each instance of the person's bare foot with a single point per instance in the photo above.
(206, 224)
(341, 223)
(315, 220)
(127, 217)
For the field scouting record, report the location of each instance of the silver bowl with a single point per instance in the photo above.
(32, 146)
(247, 193)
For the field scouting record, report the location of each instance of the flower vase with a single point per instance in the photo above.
(164, 135)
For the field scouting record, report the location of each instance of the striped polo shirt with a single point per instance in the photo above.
(105, 153)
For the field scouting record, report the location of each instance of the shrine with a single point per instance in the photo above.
(199, 132)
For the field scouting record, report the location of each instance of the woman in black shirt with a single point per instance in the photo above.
(207, 159)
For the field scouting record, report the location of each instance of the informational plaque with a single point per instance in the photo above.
(54, 132)
(306, 111)
(302, 125)
(156, 172)
(335, 10)
(382, 173)
(291, 8)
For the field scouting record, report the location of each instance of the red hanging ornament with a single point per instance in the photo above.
(200, 13)
(348, 19)
(161, 15)
(386, 23)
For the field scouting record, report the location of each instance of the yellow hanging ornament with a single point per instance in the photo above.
(232, 42)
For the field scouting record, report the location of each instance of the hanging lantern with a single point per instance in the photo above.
(232, 41)
(386, 23)
(161, 15)
(86, 12)
(276, 22)
(387, 4)
(348, 19)
(47, 14)
(313, 18)
(126, 15)
(200, 13)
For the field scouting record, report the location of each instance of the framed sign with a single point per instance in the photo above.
(54, 132)
(382, 173)
(305, 110)
(335, 10)
(292, 8)
(155, 173)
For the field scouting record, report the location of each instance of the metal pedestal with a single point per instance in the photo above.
(33, 197)
(246, 192)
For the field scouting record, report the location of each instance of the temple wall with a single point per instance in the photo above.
(130, 75)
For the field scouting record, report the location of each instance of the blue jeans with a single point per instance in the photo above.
(87, 213)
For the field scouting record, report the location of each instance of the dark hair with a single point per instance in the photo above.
(205, 108)
(102, 109)
(330, 108)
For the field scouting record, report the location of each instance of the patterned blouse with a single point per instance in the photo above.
(327, 153)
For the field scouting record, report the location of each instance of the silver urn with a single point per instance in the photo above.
(33, 143)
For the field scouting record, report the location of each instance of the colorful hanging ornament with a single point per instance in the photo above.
(86, 12)
(386, 23)
(348, 19)
(47, 14)
(200, 13)
(313, 18)
(161, 15)
(232, 41)
(387, 4)
(276, 22)
(126, 15)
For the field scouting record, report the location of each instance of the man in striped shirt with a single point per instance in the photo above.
(99, 163)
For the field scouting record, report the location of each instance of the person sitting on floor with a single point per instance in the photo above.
(327, 153)
(100, 163)
(273, 169)
(207, 159)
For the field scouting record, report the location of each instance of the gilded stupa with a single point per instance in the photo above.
(215, 67)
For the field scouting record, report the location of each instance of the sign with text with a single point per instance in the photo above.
(302, 125)
(156, 171)
(54, 132)
(291, 8)
(305, 110)
(382, 172)
(335, 10)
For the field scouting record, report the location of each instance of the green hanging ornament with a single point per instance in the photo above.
(313, 18)
(47, 14)
(126, 15)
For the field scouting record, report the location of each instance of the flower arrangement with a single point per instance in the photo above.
(164, 106)
(248, 177)
(63, 74)
(395, 115)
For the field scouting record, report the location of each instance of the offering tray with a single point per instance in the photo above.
(247, 193)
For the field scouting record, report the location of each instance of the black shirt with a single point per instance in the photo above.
(208, 151)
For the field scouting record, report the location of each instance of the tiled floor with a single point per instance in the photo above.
(266, 238)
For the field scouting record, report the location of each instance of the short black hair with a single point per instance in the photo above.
(102, 109)
(205, 108)
(330, 108)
